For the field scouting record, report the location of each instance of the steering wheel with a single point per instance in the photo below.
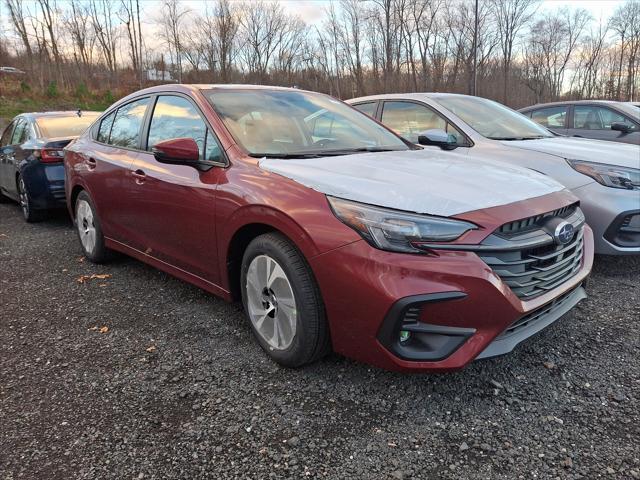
(323, 142)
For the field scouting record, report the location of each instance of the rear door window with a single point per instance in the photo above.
(105, 128)
(125, 131)
(552, 117)
(20, 132)
(6, 135)
(368, 108)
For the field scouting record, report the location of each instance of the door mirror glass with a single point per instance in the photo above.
(621, 127)
(438, 138)
(177, 150)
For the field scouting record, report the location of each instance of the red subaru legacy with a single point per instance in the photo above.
(332, 230)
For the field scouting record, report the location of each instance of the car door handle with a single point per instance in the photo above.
(140, 176)
(91, 163)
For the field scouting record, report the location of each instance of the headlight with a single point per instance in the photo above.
(609, 175)
(396, 230)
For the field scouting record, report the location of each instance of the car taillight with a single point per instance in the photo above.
(48, 155)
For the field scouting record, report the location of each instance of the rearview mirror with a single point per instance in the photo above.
(177, 150)
(438, 138)
(621, 127)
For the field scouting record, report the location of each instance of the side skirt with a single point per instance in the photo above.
(170, 269)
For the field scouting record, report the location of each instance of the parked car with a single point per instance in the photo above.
(605, 176)
(31, 155)
(597, 119)
(11, 70)
(331, 229)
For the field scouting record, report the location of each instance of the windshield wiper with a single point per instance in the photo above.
(285, 155)
(321, 153)
(348, 151)
(517, 138)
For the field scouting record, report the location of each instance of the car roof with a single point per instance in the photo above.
(613, 103)
(407, 96)
(189, 88)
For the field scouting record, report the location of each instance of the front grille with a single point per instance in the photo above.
(534, 317)
(536, 264)
(531, 223)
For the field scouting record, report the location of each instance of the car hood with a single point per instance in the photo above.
(416, 180)
(600, 151)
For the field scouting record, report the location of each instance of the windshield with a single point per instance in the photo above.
(630, 109)
(63, 126)
(285, 123)
(492, 120)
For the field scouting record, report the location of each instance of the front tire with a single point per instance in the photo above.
(282, 302)
(89, 230)
(30, 214)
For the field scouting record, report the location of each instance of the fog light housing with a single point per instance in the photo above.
(404, 333)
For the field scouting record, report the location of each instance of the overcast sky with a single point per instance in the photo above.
(313, 11)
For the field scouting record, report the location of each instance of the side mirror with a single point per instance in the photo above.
(438, 138)
(621, 127)
(182, 151)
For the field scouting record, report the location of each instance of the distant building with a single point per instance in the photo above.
(154, 75)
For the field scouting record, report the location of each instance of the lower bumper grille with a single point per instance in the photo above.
(532, 323)
(532, 318)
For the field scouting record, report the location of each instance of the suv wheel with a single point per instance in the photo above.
(282, 301)
(28, 212)
(89, 230)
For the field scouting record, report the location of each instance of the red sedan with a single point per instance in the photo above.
(332, 230)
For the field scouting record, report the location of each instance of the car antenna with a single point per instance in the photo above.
(79, 112)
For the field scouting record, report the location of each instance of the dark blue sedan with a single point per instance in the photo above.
(31, 159)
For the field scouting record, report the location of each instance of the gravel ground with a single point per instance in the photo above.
(139, 375)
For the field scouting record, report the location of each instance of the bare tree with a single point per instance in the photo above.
(130, 16)
(173, 17)
(102, 19)
(260, 24)
(17, 14)
(77, 22)
(511, 16)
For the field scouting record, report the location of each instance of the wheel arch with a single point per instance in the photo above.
(250, 223)
(235, 252)
(75, 191)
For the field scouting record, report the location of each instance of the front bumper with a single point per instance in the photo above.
(464, 307)
(607, 210)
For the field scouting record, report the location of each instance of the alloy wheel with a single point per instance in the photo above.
(24, 197)
(271, 303)
(86, 227)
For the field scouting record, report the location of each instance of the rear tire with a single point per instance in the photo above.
(30, 214)
(89, 230)
(282, 302)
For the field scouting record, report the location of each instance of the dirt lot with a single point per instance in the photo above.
(139, 375)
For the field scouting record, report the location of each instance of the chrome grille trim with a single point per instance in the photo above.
(531, 223)
(538, 268)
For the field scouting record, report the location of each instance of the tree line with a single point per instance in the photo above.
(514, 51)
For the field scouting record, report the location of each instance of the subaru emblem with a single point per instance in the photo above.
(563, 233)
